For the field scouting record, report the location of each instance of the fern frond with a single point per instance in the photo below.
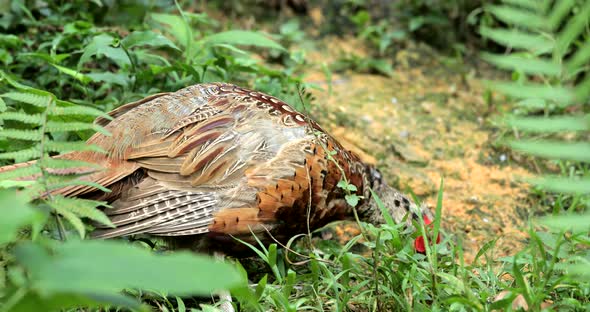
(29, 98)
(561, 95)
(579, 59)
(58, 126)
(36, 119)
(71, 217)
(25, 154)
(527, 65)
(16, 184)
(565, 185)
(572, 30)
(519, 17)
(519, 40)
(577, 151)
(559, 11)
(551, 124)
(76, 110)
(62, 147)
(582, 91)
(84, 208)
(20, 173)
(28, 135)
(534, 5)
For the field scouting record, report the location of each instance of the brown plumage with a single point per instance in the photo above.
(213, 161)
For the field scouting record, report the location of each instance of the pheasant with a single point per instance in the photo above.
(215, 161)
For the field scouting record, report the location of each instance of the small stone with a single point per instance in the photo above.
(410, 153)
(404, 134)
(367, 119)
(427, 106)
(473, 200)
(453, 89)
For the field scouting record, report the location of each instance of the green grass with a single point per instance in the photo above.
(63, 65)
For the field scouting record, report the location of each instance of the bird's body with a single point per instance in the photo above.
(212, 161)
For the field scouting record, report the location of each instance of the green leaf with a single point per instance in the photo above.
(518, 17)
(346, 186)
(261, 286)
(112, 78)
(49, 58)
(573, 29)
(560, 10)
(243, 37)
(21, 172)
(532, 104)
(579, 59)
(29, 135)
(439, 205)
(580, 270)
(529, 4)
(72, 218)
(563, 184)
(108, 267)
(561, 95)
(523, 64)
(415, 23)
(29, 153)
(6, 184)
(10, 41)
(15, 83)
(381, 66)
(15, 214)
(352, 199)
(29, 98)
(84, 208)
(74, 109)
(56, 146)
(578, 151)
(74, 301)
(73, 73)
(574, 222)
(55, 126)
(487, 246)
(102, 45)
(582, 90)
(36, 119)
(550, 124)
(147, 38)
(177, 26)
(519, 40)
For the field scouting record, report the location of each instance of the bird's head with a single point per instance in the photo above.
(403, 209)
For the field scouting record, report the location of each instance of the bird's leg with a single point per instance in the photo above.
(224, 295)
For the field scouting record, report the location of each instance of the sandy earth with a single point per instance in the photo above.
(429, 121)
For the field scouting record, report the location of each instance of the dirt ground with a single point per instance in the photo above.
(426, 122)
